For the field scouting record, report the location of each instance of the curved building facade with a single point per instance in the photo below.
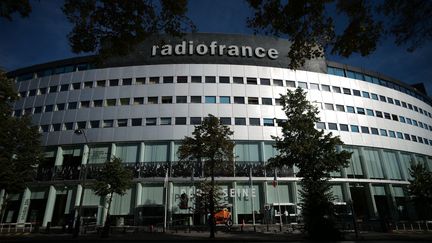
(140, 107)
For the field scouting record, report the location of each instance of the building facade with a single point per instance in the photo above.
(140, 107)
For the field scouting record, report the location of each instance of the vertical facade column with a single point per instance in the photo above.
(372, 208)
(391, 201)
(141, 152)
(24, 207)
(294, 195)
(113, 151)
(138, 194)
(400, 165)
(59, 156)
(86, 154)
(2, 195)
(104, 210)
(170, 199)
(49, 208)
(234, 204)
(78, 195)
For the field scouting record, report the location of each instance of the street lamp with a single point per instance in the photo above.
(78, 212)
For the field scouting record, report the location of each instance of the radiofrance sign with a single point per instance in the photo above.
(214, 49)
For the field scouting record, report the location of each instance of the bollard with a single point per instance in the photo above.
(242, 225)
(151, 228)
(48, 228)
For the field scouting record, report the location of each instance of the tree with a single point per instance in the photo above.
(112, 178)
(315, 154)
(212, 146)
(114, 28)
(202, 197)
(20, 150)
(317, 26)
(9, 7)
(420, 189)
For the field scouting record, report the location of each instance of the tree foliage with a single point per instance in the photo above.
(315, 155)
(202, 197)
(420, 188)
(9, 7)
(211, 145)
(114, 28)
(342, 27)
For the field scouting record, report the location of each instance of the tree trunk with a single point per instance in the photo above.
(3, 208)
(212, 206)
(106, 227)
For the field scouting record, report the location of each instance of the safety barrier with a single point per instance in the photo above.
(16, 227)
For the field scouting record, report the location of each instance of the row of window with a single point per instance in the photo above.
(373, 131)
(380, 114)
(371, 79)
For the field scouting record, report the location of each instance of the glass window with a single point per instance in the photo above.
(374, 131)
(346, 91)
(266, 101)
(365, 94)
(181, 99)
(314, 86)
(122, 122)
(168, 79)
(336, 89)
(238, 80)
(97, 103)
(364, 129)
(165, 121)
(253, 100)
(343, 127)
(56, 127)
(140, 81)
(379, 114)
(38, 110)
(370, 112)
(354, 128)
(277, 101)
(32, 92)
(195, 120)
(127, 81)
(44, 128)
(374, 96)
(81, 125)
(383, 132)
(277, 82)
(94, 124)
(76, 86)
(180, 120)
(114, 82)
(328, 106)
(52, 89)
(320, 125)
(108, 123)
(210, 99)
(111, 102)
(224, 80)
(61, 106)
(166, 99)
(124, 101)
(407, 136)
(138, 101)
(356, 92)
(210, 79)
(290, 83)
(84, 104)
(392, 134)
(350, 109)
(404, 104)
(415, 123)
(251, 80)
(136, 122)
(325, 87)
(387, 115)
(151, 121)
(394, 117)
(399, 135)
(254, 122)
(332, 126)
(389, 100)
(397, 102)
(195, 99)
(87, 84)
(265, 81)
(225, 120)
(340, 108)
(225, 99)
(413, 138)
(64, 87)
(360, 111)
(152, 100)
(240, 121)
(239, 100)
(154, 80)
(383, 98)
(101, 83)
(44, 90)
(182, 79)
(269, 122)
(302, 85)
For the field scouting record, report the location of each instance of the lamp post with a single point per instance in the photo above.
(78, 212)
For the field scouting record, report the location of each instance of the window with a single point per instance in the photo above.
(136, 122)
(225, 120)
(138, 101)
(336, 89)
(394, 117)
(383, 98)
(404, 104)
(61, 106)
(374, 131)
(277, 82)
(196, 79)
(195, 99)
(151, 121)
(413, 138)
(181, 99)
(64, 87)
(111, 102)
(360, 111)
(389, 100)
(154, 80)
(325, 87)
(354, 128)
(81, 125)
(392, 134)
(84, 104)
(397, 102)
(314, 86)
(383, 132)
(408, 120)
(407, 136)
(346, 91)
(127, 81)
(238, 80)
(350, 109)
(379, 114)
(182, 79)
(415, 108)
(44, 128)
(370, 112)
(38, 110)
(28, 111)
(166, 99)
(266, 101)
(253, 100)
(332, 126)
(210, 79)
(124, 101)
(76, 86)
(320, 125)
(356, 92)
(374, 96)
(302, 85)
(32, 92)
(239, 100)
(290, 84)
(56, 127)
(68, 126)
(87, 84)
(277, 101)
(140, 81)
(328, 106)
(101, 83)
(122, 122)
(399, 135)
(415, 123)
(44, 90)
(168, 79)
(52, 89)
(195, 120)
(365, 94)
(240, 121)
(94, 124)
(364, 129)
(224, 80)
(108, 123)
(265, 81)
(152, 100)
(268, 122)
(114, 82)
(180, 120)
(23, 94)
(164, 121)
(340, 108)
(225, 99)
(97, 103)
(254, 121)
(251, 81)
(343, 127)
(387, 115)
(210, 99)
(48, 108)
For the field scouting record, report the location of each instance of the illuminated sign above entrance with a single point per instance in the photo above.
(213, 49)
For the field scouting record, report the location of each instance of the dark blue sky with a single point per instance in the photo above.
(42, 38)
